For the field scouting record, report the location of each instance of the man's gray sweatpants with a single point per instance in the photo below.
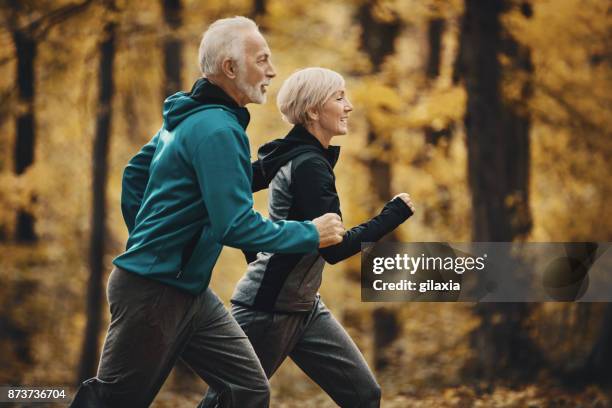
(152, 325)
(318, 344)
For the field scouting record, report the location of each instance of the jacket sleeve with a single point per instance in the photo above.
(259, 182)
(315, 193)
(134, 182)
(223, 170)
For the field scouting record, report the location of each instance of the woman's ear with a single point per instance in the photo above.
(229, 68)
(313, 115)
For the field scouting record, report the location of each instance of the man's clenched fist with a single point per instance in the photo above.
(330, 229)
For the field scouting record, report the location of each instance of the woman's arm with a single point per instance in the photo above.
(315, 194)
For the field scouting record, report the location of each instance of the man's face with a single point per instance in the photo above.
(255, 71)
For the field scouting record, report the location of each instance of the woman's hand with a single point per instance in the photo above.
(406, 199)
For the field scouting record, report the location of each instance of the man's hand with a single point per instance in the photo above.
(330, 229)
(405, 198)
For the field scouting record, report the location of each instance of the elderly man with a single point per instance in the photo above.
(185, 195)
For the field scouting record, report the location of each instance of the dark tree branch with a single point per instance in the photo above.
(39, 28)
(577, 117)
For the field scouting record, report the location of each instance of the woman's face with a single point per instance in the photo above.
(333, 115)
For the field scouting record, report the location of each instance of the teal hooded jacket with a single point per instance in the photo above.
(188, 192)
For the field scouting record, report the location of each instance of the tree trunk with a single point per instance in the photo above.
(25, 47)
(259, 8)
(597, 367)
(498, 134)
(435, 30)
(378, 41)
(26, 41)
(173, 47)
(498, 168)
(90, 349)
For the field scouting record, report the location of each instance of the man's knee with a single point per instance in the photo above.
(88, 396)
(375, 392)
(262, 389)
(256, 394)
(259, 393)
(371, 397)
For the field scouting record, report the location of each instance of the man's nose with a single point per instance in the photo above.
(271, 72)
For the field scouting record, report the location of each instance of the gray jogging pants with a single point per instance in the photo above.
(318, 344)
(152, 325)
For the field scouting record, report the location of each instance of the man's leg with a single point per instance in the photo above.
(149, 327)
(327, 354)
(221, 354)
(272, 336)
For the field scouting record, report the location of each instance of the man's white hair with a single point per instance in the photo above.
(224, 39)
(305, 90)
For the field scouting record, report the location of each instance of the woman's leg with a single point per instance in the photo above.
(326, 353)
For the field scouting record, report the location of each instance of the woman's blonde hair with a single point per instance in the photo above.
(306, 89)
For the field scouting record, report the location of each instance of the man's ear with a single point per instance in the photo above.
(229, 68)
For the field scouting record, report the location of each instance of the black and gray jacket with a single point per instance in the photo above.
(298, 171)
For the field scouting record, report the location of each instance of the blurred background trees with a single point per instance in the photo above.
(493, 115)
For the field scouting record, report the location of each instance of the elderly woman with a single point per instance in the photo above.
(277, 302)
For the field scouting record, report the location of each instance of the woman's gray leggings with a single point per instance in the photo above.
(318, 344)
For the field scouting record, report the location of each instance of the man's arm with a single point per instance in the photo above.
(134, 182)
(222, 167)
(316, 194)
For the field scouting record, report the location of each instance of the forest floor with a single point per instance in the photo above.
(308, 395)
(531, 396)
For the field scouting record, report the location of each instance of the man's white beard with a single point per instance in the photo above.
(252, 91)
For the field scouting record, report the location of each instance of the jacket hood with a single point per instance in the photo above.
(203, 94)
(275, 154)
